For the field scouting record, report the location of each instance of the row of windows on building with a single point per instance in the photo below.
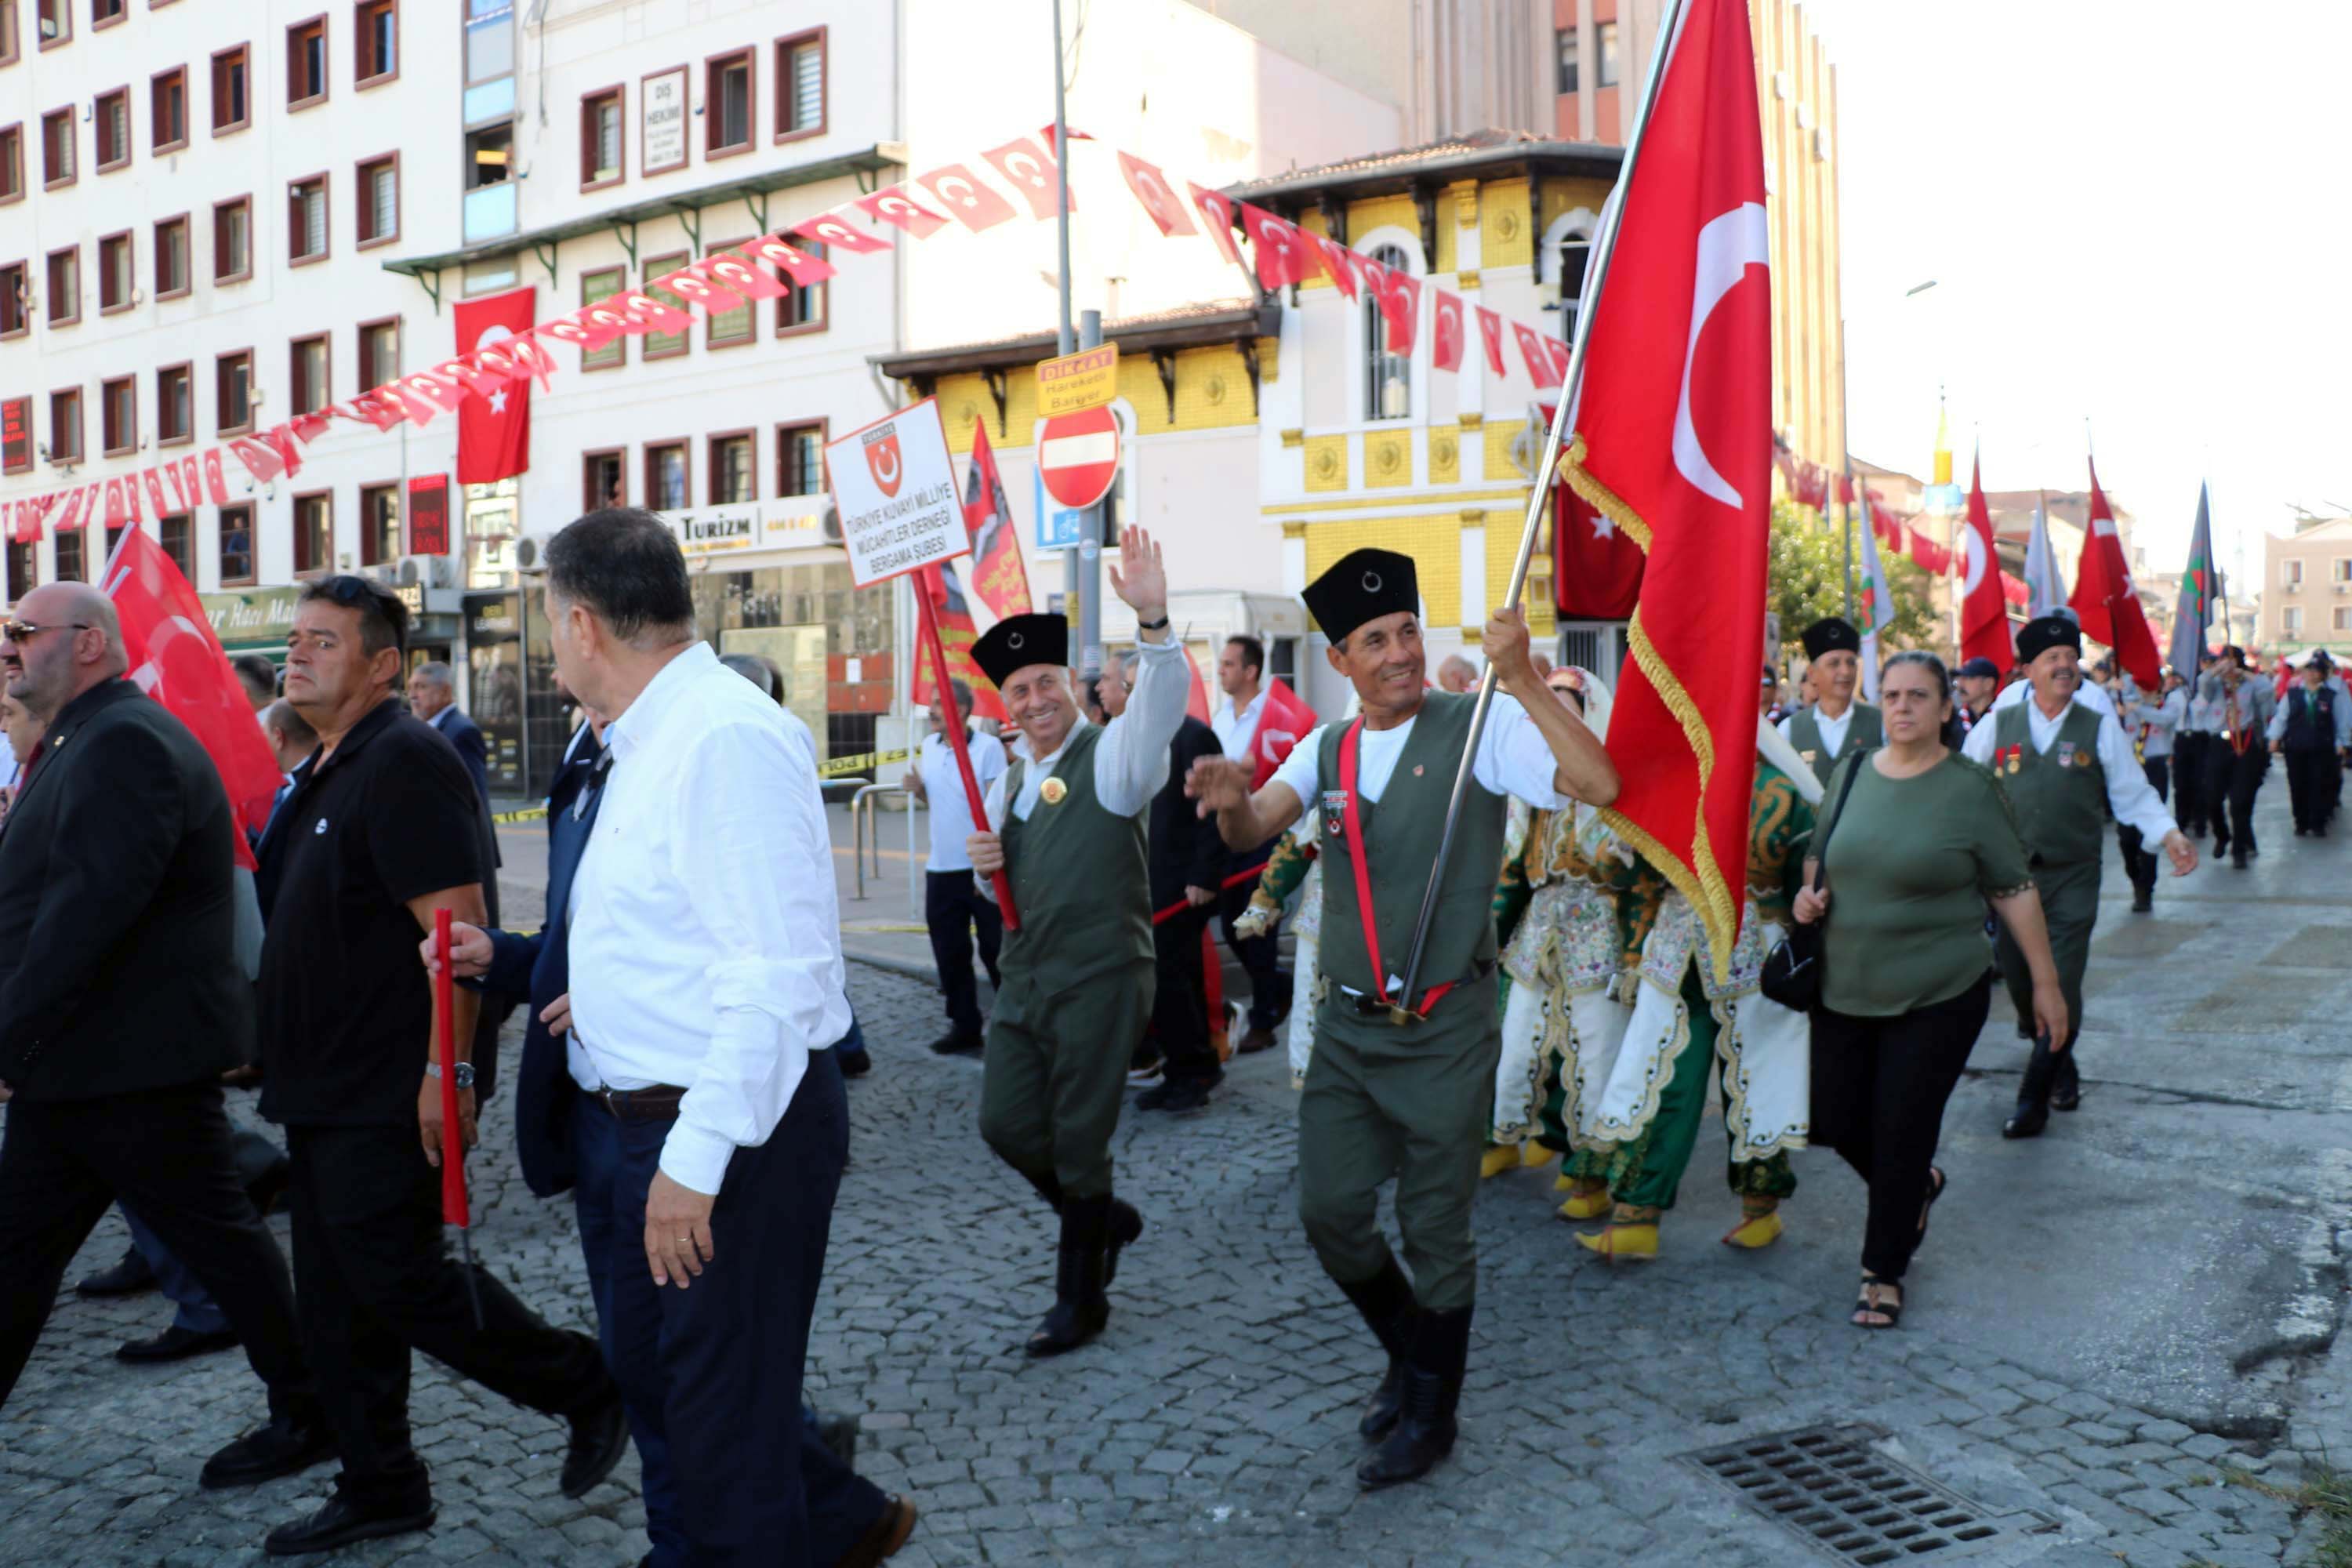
(730, 469)
(2339, 572)
(1604, 58)
(729, 109)
(2290, 619)
(171, 252)
(376, 57)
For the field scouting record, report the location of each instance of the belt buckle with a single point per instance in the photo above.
(1400, 1014)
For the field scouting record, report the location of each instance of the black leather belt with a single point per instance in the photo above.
(1373, 1007)
(657, 1103)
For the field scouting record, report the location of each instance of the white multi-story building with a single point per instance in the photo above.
(214, 217)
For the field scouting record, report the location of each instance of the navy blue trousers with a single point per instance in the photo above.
(734, 1471)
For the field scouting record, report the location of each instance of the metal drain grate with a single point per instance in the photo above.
(1829, 1487)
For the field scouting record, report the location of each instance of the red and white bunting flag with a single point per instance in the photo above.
(377, 409)
(836, 233)
(131, 500)
(896, 208)
(1490, 335)
(1561, 356)
(1152, 191)
(153, 479)
(417, 411)
(575, 328)
(494, 432)
(1045, 134)
(648, 314)
(117, 513)
(445, 392)
(1399, 301)
(308, 427)
(966, 199)
(517, 359)
(1337, 259)
(215, 481)
(1445, 348)
(803, 269)
(1033, 174)
(1216, 211)
(696, 287)
(1281, 256)
(70, 517)
(1535, 355)
(467, 372)
(181, 497)
(259, 459)
(743, 277)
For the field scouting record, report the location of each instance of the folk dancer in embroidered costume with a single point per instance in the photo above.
(1557, 918)
(1402, 1086)
(1687, 1024)
(1834, 723)
(2065, 769)
(1068, 829)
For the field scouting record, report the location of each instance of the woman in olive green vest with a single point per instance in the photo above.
(1910, 858)
(1401, 1087)
(1834, 726)
(1067, 830)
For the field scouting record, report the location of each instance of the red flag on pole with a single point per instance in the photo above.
(494, 432)
(173, 655)
(1281, 253)
(1984, 615)
(2105, 599)
(1596, 565)
(998, 575)
(1675, 445)
(1196, 696)
(1158, 198)
(952, 619)
(934, 589)
(1282, 724)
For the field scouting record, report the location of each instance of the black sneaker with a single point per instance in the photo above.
(282, 1448)
(176, 1344)
(955, 1043)
(128, 1276)
(341, 1523)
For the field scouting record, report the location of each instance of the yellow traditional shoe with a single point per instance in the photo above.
(1563, 1183)
(1585, 1201)
(1502, 1157)
(1633, 1243)
(1535, 1156)
(1760, 1231)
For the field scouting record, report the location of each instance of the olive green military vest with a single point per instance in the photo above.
(2060, 795)
(1400, 834)
(1862, 732)
(1081, 884)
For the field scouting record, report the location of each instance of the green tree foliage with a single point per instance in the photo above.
(1808, 581)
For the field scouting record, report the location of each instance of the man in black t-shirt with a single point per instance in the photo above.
(381, 829)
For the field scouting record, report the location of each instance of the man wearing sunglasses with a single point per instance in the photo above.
(122, 1004)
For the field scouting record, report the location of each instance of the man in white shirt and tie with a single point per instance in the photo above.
(1241, 673)
(706, 978)
(953, 907)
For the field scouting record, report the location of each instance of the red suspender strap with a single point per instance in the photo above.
(1353, 826)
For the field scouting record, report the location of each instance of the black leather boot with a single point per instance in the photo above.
(1425, 1431)
(1080, 1308)
(2033, 1112)
(2066, 1083)
(1387, 1302)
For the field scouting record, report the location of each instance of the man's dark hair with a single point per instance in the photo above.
(625, 566)
(760, 670)
(284, 716)
(1253, 652)
(259, 676)
(383, 619)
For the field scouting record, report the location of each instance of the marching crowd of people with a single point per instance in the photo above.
(686, 1031)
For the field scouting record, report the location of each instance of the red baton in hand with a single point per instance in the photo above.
(925, 581)
(445, 1021)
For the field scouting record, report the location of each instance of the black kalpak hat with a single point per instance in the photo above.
(1016, 642)
(1831, 633)
(2043, 633)
(1362, 585)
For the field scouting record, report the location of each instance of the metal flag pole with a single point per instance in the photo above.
(1563, 415)
(1066, 341)
(1853, 491)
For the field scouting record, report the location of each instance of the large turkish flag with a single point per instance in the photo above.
(494, 432)
(1984, 605)
(1596, 565)
(2105, 599)
(1675, 445)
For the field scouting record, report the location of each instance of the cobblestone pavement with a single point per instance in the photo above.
(2104, 1321)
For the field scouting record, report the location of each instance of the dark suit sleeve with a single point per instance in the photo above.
(475, 750)
(108, 857)
(1206, 856)
(512, 958)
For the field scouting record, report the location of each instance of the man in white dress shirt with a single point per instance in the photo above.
(2062, 761)
(1069, 832)
(953, 908)
(1241, 674)
(706, 979)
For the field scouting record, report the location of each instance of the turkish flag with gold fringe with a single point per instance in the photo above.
(1675, 445)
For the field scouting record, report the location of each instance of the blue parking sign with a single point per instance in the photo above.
(1056, 529)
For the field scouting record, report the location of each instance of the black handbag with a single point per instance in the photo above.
(1793, 969)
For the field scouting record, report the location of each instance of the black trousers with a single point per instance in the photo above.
(953, 908)
(2310, 786)
(375, 1280)
(2189, 781)
(1880, 1086)
(168, 1153)
(2232, 779)
(2139, 861)
(1259, 956)
(1180, 1015)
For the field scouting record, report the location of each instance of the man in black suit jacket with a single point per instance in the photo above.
(433, 696)
(1187, 862)
(121, 1005)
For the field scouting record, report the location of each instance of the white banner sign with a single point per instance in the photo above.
(896, 491)
(661, 122)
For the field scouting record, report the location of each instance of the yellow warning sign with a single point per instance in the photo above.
(1088, 379)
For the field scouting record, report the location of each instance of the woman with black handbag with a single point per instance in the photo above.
(1918, 840)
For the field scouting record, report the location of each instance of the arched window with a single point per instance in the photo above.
(1575, 250)
(1388, 378)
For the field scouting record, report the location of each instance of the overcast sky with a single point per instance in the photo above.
(2138, 213)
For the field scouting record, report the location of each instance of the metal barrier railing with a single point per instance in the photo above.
(861, 810)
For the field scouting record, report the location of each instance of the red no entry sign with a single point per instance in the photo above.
(1077, 456)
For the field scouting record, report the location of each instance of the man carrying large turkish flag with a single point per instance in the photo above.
(1984, 606)
(494, 431)
(1673, 445)
(173, 655)
(2105, 601)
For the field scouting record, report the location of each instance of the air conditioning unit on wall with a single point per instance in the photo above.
(429, 571)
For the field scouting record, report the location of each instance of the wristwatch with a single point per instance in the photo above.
(465, 1073)
(1159, 626)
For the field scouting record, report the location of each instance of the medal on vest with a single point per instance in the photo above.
(2066, 758)
(1335, 805)
(1809, 757)
(1052, 791)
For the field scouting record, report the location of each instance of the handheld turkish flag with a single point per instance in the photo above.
(173, 655)
(2106, 600)
(997, 573)
(957, 634)
(1196, 695)
(1675, 445)
(1984, 612)
(1282, 724)
(494, 432)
